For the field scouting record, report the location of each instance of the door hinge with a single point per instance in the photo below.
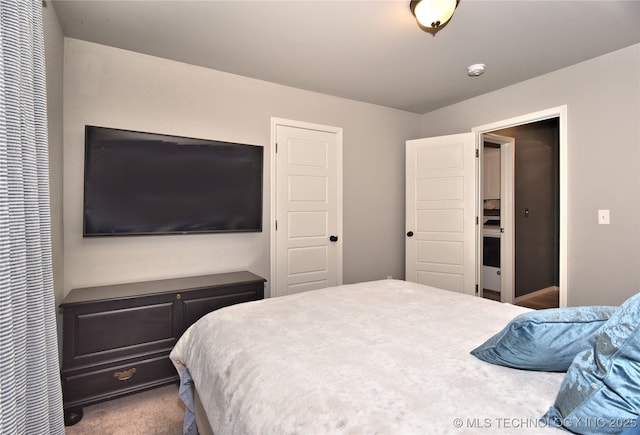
(477, 152)
(477, 291)
(276, 147)
(276, 225)
(477, 220)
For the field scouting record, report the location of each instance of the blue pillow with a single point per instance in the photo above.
(633, 429)
(544, 340)
(601, 390)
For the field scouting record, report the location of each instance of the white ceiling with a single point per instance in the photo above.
(365, 50)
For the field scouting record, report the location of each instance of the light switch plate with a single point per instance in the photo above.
(603, 217)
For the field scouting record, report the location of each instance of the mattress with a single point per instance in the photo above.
(386, 357)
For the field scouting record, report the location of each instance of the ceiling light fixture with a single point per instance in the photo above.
(433, 15)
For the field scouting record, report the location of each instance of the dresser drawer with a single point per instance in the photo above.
(80, 386)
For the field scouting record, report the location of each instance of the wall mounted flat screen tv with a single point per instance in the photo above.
(143, 183)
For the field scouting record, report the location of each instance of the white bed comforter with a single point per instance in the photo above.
(384, 357)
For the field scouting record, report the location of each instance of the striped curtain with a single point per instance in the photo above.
(30, 396)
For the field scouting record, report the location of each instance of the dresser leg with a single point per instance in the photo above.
(72, 416)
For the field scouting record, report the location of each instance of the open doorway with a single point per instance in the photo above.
(521, 214)
(452, 205)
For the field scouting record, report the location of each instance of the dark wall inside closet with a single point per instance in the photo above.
(537, 193)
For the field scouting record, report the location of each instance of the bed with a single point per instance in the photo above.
(377, 357)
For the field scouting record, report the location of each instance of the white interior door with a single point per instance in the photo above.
(441, 212)
(308, 209)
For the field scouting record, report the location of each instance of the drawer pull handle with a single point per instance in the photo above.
(125, 375)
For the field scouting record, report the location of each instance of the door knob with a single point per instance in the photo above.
(333, 238)
(410, 234)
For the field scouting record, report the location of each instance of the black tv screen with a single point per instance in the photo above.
(143, 183)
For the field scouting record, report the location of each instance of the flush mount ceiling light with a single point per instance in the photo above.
(433, 15)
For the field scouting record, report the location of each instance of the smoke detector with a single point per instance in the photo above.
(475, 70)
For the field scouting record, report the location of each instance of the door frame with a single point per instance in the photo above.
(275, 122)
(507, 224)
(559, 112)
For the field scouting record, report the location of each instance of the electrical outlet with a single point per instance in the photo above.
(603, 217)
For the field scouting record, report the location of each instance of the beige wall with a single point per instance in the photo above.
(603, 111)
(54, 57)
(115, 88)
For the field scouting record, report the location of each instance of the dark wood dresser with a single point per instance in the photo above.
(117, 338)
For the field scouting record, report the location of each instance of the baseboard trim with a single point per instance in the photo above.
(536, 293)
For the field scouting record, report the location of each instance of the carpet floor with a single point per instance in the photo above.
(154, 412)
